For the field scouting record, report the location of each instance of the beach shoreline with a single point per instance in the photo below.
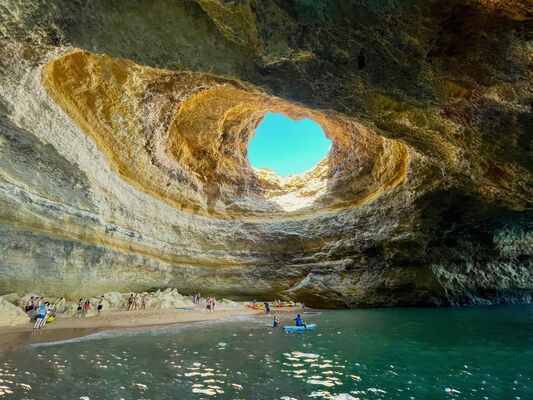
(64, 328)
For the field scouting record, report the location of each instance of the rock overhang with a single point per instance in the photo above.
(183, 137)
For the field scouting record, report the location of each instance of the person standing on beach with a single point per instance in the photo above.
(79, 310)
(86, 306)
(208, 305)
(100, 305)
(60, 305)
(41, 315)
(135, 302)
(143, 301)
(130, 302)
(53, 310)
(213, 304)
(267, 307)
(48, 312)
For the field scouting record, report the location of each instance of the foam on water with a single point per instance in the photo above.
(153, 331)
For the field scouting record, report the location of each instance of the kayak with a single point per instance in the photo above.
(308, 327)
(256, 307)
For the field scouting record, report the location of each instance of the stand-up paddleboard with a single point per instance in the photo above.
(185, 308)
(308, 327)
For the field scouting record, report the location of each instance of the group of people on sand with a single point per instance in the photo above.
(210, 304)
(196, 298)
(45, 311)
(41, 311)
(134, 300)
(85, 306)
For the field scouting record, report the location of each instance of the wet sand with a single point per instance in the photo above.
(70, 327)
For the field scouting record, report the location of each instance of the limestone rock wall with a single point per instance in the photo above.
(123, 149)
(11, 315)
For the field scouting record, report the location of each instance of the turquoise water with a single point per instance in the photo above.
(470, 353)
(286, 146)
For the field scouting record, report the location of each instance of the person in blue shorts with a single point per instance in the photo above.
(276, 322)
(299, 321)
(42, 315)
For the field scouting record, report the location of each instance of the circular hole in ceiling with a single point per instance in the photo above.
(287, 147)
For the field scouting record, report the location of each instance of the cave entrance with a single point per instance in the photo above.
(287, 147)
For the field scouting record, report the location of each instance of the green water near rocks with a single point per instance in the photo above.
(469, 353)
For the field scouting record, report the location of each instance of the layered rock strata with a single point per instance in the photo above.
(123, 150)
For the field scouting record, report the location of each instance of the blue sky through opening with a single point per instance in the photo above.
(287, 147)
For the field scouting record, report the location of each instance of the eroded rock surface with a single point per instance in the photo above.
(123, 149)
(11, 315)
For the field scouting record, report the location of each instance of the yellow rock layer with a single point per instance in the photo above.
(183, 137)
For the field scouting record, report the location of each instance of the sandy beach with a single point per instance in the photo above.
(70, 327)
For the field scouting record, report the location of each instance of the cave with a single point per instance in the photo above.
(124, 150)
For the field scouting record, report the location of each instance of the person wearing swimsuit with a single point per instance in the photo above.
(86, 306)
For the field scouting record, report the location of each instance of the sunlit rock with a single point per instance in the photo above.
(11, 315)
(123, 150)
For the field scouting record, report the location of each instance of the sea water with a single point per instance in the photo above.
(467, 353)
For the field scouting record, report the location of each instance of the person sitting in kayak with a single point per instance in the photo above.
(299, 321)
